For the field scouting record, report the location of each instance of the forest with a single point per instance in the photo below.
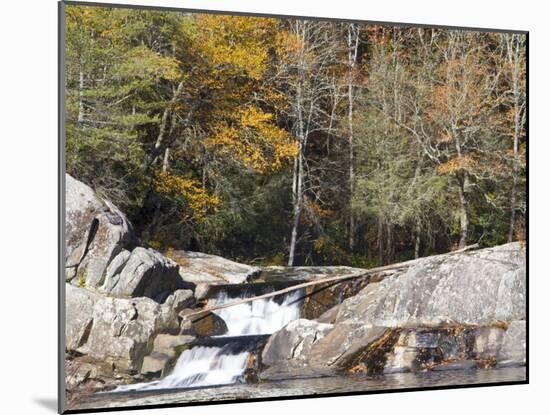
(279, 141)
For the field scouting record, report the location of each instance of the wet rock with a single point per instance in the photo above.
(154, 364)
(513, 350)
(457, 365)
(201, 291)
(405, 350)
(86, 375)
(167, 343)
(488, 341)
(288, 370)
(321, 298)
(294, 341)
(96, 231)
(208, 324)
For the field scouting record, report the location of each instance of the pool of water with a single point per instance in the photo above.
(308, 387)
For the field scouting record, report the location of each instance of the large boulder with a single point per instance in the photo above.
(197, 268)
(445, 312)
(477, 288)
(116, 330)
(141, 273)
(96, 231)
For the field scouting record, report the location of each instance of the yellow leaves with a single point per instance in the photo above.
(253, 140)
(197, 198)
(458, 163)
(237, 42)
(253, 117)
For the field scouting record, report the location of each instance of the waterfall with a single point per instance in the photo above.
(264, 316)
(208, 366)
(199, 366)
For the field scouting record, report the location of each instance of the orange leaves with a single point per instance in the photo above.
(288, 44)
(458, 163)
(197, 198)
(253, 140)
(317, 209)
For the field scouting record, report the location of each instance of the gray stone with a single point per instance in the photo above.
(488, 341)
(294, 341)
(180, 300)
(513, 350)
(96, 231)
(341, 344)
(146, 273)
(154, 364)
(441, 310)
(329, 316)
(119, 331)
(197, 267)
(167, 343)
(306, 273)
(475, 288)
(79, 305)
(112, 273)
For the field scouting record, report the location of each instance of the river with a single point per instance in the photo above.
(305, 387)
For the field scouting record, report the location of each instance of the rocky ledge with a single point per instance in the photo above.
(444, 312)
(126, 303)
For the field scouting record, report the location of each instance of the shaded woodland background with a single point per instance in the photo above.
(283, 141)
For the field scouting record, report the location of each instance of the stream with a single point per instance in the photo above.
(214, 368)
(222, 360)
(305, 387)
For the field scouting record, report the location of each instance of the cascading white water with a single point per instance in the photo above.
(209, 366)
(199, 366)
(264, 316)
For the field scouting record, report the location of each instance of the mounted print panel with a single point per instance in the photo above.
(260, 207)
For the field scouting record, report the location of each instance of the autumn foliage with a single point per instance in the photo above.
(336, 142)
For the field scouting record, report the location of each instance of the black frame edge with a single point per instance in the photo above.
(61, 395)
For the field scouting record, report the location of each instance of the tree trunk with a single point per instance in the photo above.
(512, 208)
(81, 97)
(163, 128)
(353, 44)
(380, 242)
(390, 248)
(464, 220)
(517, 129)
(297, 209)
(417, 240)
(166, 159)
(298, 179)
